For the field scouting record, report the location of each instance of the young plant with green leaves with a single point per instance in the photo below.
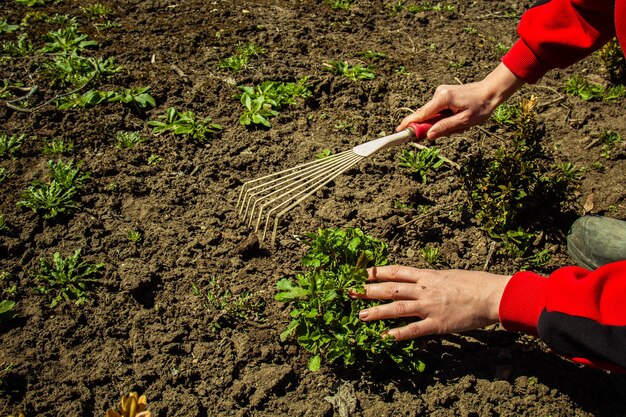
(613, 62)
(75, 70)
(134, 236)
(128, 139)
(324, 318)
(67, 40)
(66, 279)
(6, 27)
(35, 3)
(431, 254)
(354, 72)
(610, 140)
(185, 124)
(10, 144)
(420, 163)
(580, 87)
(57, 146)
(340, 4)
(4, 175)
(7, 312)
(240, 59)
(60, 194)
(96, 11)
(20, 47)
(225, 308)
(137, 99)
(265, 100)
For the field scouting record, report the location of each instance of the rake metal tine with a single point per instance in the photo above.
(291, 178)
(310, 190)
(246, 186)
(292, 184)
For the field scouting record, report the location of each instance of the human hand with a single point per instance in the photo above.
(447, 301)
(470, 104)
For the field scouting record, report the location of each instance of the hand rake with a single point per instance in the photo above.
(278, 193)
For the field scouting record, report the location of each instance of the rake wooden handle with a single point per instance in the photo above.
(415, 131)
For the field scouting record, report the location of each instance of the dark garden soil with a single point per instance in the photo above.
(144, 330)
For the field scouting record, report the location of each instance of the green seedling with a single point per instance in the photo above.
(396, 7)
(89, 98)
(22, 46)
(66, 40)
(431, 254)
(420, 163)
(57, 196)
(373, 55)
(324, 154)
(154, 159)
(345, 127)
(588, 91)
(505, 114)
(401, 70)
(134, 236)
(57, 146)
(96, 11)
(10, 144)
(57, 19)
(613, 62)
(35, 3)
(66, 279)
(75, 70)
(324, 318)
(340, 4)
(569, 173)
(264, 101)
(4, 227)
(240, 59)
(400, 205)
(6, 27)
(135, 98)
(109, 24)
(353, 72)
(426, 6)
(126, 139)
(4, 175)
(9, 289)
(610, 140)
(6, 310)
(225, 308)
(185, 124)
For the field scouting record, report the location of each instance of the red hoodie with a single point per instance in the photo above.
(580, 314)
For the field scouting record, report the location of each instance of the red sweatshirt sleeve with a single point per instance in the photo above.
(580, 314)
(558, 33)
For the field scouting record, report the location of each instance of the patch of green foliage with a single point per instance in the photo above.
(136, 98)
(265, 100)
(340, 4)
(324, 319)
(57, 146)
(128, 139)
(505, 114)
(354, 72)
(420, 163)
(76, 70)
(225, 308)
(66, 279)
(240, 59)
(185, 124)
(4, 175)
(154, 159)
(96, 11)
(66, 40)
(610, 140)
(134, 236)
(373, 55)
(6, 27)
(325, 153)
(503, 186)
(20, 47)
(35, 3)
(60, 194)
(426, 6)
(10, 144)
(6, 310)
(431, 254)
(580, 87)
(613, 62)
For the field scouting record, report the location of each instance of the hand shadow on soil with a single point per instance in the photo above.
(500, 355)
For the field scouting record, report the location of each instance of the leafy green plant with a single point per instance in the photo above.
(154, 159)
(6, 310)
(66, 279)
(431, 254)
(420, 163)
(345, 127)
(505, 114)
(66, 40)
(227, 309)
(588, 91)
(4, 175)
(20, 47)
(10, 144)
(57, 146)
(7, 285)
(324, 154)
(89, 98)
(57, 196)
(6, 27)
(128, 139)
(34, 3)
(354, 72)
(96, 10)
(373, 55)
(613, 62)
(324, 319)
(185, 124)
(134, 236)
(240, 59)
(610, 140)
(264, 101)
(340, 4)
(136, 98)
(76, 70)
(401, 205)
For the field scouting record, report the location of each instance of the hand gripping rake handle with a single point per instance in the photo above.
(415, 131)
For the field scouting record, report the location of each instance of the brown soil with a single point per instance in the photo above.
(143, 328)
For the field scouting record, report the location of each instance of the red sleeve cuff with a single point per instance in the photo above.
(522, 302)
(523, 63)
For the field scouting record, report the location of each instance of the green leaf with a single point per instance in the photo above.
(314, 363)
(290, 291)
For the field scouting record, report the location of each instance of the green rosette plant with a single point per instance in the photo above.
(324, 319)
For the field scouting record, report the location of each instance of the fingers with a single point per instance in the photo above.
(415, 329)
(397, 273)
(427, 111)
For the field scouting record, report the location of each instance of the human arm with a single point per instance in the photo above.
(580, 314)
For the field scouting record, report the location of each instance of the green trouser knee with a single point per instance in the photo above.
(594, 241)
